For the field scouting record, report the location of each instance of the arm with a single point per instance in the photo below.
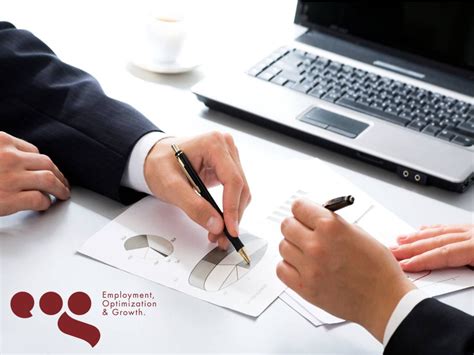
(433, 327)
(340, 268)
(93, 138)
(64, 112)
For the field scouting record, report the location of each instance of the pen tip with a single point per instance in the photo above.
(244, 256)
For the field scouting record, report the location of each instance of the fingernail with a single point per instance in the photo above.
(213, 225)
(402, 237)
(393, 248)
(404, 262)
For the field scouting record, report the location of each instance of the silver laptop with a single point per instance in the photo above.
(392, 85)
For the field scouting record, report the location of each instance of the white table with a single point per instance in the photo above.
(38, 250)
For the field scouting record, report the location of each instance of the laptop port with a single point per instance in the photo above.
(409, 174)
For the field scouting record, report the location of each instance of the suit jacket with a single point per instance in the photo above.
(433, 328)
(65, 113)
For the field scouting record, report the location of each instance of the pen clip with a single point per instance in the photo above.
(190, 179)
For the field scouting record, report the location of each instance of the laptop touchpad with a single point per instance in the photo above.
(334, 122)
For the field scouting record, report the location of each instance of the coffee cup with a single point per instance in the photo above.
(166, 36)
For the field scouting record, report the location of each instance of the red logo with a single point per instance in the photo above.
(51, 303)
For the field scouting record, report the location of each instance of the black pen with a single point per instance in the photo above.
(338, 203)
(201, 189)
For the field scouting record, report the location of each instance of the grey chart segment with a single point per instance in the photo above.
(220, 269)
(147, 246)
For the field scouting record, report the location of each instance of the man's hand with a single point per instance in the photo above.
(340, 268)
(216, 159)
(436, 247)
(26, 177)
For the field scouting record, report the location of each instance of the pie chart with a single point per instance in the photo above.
(221, 268)
(148, 247)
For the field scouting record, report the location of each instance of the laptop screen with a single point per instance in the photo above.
(441, 31)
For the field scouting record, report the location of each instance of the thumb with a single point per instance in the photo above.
(200, 211)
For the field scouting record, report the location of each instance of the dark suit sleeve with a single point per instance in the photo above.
(65, 113)
(433, 328)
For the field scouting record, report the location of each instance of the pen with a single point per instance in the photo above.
(338, 203)
(201, 189)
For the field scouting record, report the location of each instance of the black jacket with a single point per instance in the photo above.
(64, 112)
(433, 328)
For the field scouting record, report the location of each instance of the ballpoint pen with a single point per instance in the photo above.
(338, 203)
(201, 189)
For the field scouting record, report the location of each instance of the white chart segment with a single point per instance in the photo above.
(160, 245)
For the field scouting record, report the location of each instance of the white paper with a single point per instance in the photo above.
(159, 242)
(296, 305)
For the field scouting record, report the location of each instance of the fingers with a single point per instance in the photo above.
(295, 232)
(44, 181)
(406, 251)
(308, 213)
(429, 232)
(33, 161)
(223, 243)
(430, 226)
(229, 174)
(288, 275)
(221, 240)
(451, 255)
(196, 207)
(291, 254)
(25, 200)
(24, 146)
(245, 196)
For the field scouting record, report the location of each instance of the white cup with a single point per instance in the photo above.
(166, 35)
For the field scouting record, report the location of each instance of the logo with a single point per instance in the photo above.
(51, 303)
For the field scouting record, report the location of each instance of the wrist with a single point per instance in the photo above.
(156, 154)
(385, 300)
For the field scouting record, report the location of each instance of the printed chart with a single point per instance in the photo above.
(219, 268)
(148, 247)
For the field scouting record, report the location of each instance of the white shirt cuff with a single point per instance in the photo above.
(401, 311)
(134, 174)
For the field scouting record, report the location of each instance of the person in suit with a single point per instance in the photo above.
(59, 127)
(339, 267)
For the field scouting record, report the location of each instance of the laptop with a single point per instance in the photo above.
(390, 84)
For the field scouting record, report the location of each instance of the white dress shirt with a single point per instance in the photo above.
(134, 174)
(401, 311)
(134, 178)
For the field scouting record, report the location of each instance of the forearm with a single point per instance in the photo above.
(433, 328)
(65, 112)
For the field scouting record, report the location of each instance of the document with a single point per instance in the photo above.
(160, 243)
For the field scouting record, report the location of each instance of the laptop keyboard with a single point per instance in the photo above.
(405, 105)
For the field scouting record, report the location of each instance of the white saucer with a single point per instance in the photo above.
(183, 64)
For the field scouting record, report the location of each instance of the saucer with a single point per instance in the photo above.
(182, 64)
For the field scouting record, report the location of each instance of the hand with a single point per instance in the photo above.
(436, 247)
(26, 177)
(340, 268)
(215, 158)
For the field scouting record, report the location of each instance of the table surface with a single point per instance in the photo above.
(38, 250)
